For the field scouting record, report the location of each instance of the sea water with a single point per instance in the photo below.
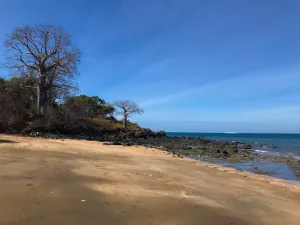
(272, 144)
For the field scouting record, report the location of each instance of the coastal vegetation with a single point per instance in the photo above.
(41, 91)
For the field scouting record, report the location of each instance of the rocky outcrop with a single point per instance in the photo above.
(193, 147)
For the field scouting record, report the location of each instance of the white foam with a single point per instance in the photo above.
(260, 151)
(294, 156)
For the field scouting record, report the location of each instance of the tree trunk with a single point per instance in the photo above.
(125, 121)
(42, 99)
(38, 95)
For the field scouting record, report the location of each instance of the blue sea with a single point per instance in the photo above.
(273, 144)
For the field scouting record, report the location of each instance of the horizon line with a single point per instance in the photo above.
(227, 132)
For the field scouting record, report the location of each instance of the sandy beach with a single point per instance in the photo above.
(85, 182)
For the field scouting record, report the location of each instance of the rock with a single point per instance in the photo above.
(127, 144)
(225, 153)
(161, 133)
(139, 134)
(259, 171)
(26, 131)
(246, 146)
(36, 134)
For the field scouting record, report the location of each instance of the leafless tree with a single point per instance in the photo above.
(128, 108)
(46, 53)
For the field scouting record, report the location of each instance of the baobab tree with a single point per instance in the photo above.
(46, 54)
(127, 109)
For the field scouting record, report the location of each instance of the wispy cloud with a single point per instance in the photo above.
(273, 119)
(237, 87)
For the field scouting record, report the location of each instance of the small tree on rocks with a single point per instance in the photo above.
(127, 108)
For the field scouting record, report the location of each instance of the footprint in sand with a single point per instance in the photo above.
(183, 194)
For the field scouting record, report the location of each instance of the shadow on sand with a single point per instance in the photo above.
(7, 141)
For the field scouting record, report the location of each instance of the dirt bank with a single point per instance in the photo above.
(85, 182)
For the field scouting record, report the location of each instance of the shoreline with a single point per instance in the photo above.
(292, 184)
(266, 160)
(240, 156)
(280, 167)
(295, 185)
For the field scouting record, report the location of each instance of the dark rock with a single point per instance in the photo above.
(225, 153)
(246, 146)
(161, 133)
(36, 134)
(26, 131)
(262, 172)
(107, 143)
(139, 134)
(127, 144)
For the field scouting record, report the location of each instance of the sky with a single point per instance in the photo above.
(193, 66)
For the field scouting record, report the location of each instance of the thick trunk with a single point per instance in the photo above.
(125, 122)
(38, 95)
(42, 99)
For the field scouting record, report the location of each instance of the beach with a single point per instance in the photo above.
(85, 182)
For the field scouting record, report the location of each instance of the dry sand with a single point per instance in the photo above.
(82, 182)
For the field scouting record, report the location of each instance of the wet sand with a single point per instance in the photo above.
(85, 182)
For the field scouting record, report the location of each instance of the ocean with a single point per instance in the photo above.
(285, 144)
(273, 144)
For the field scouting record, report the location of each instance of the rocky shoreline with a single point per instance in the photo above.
(192, 147)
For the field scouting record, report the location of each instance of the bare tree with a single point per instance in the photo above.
(46, 53)
(128, 108)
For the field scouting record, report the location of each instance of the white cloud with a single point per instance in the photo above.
(237, 87)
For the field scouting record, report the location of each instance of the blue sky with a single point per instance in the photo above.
(207, 66)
